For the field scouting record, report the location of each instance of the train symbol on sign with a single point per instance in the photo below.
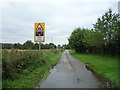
(39, 33)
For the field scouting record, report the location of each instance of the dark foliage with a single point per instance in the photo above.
(104, 38)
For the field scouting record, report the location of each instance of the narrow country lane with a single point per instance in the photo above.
(70, 73)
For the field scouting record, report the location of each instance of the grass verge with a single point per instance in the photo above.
(32, 69)
(105, 66)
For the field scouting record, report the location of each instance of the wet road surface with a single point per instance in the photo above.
(70, 73)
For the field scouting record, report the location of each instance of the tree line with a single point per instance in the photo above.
(30, 45)
(103, 38)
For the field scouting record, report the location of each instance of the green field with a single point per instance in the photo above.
(105, 66)
(26, 68)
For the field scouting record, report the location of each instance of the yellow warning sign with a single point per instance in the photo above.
(39, 32)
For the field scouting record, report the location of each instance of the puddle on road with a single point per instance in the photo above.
(104, 82)
(73, 74)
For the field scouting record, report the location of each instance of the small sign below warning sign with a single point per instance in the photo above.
(39, 39)
(39, 32)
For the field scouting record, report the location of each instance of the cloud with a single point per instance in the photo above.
(61, 18)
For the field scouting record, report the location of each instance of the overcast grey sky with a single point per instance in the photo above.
(61, 18)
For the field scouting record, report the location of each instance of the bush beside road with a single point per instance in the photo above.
(24, 69)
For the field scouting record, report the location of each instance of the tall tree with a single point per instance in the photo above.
(108, 26)
(28, 44)
(17, 46)
(52, 45)
(94, 41)
(76, 40)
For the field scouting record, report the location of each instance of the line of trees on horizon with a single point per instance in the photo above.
(104, 38)
(30, 45)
